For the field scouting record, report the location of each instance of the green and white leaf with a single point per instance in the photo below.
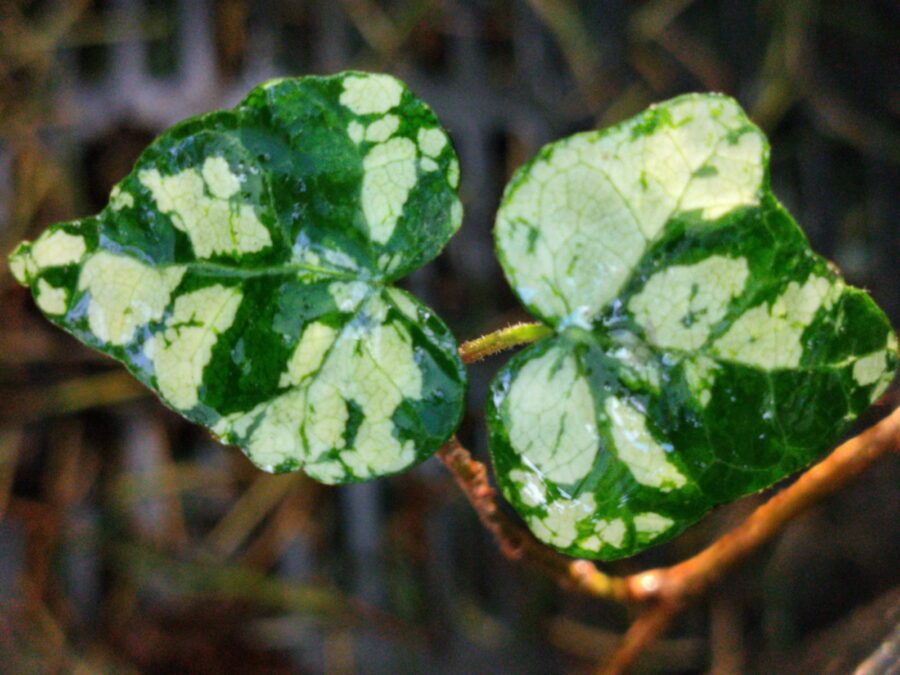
(701, 350)
(242, 271)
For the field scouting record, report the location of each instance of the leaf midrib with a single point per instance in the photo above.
(315, 273)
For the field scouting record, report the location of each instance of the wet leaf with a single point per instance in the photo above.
(242, 271)
(701, 350)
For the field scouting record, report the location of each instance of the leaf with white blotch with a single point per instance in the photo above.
(701, 351)
(242, 271)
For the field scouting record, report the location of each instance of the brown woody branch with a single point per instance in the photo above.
(667, 591)
(515, 542)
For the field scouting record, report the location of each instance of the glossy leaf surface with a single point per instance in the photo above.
(701, 350)
(242, 271)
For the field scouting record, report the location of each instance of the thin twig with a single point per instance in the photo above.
(90, 391)
(266, 493)
(642, 633)
(590, 643)
(566, 24)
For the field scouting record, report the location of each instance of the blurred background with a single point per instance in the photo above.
(130, 542)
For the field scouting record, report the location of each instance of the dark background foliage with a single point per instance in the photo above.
(130, 542)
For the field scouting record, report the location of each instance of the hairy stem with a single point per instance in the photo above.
(500, 340)
(643, 631)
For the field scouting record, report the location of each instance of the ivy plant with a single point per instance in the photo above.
(698, 350)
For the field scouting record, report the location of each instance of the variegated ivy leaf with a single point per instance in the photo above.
(701, 350)
(242, 271)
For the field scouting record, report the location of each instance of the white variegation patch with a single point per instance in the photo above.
(456, 213)
(57, 248)
(404, 303)
(875, 368)
(431, 141)
(678, 306)
(888, 376)
(239, 423)
(219, 179)
(348, 294)
(365, 94)
(700, 374)
(453, 173)
(574, 229)
(390, 175)
(769, 336)
(382, 129)
(181, 352)
(277, 437)
(308, 355)
(428, 164)
(870, 368)
(327, 471)
(125, 294)
(559, 526)
(22, 264)
(389, 169)
(530, 488)
(650, 525)
(119, 199)
(638, 450)
(639, 367)
(551, 417)
(356, 132)
(608, 532)
(377, 373)
(321, 258)
(200, 204)
(731, 176)
(371, 365)
(51, 299)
